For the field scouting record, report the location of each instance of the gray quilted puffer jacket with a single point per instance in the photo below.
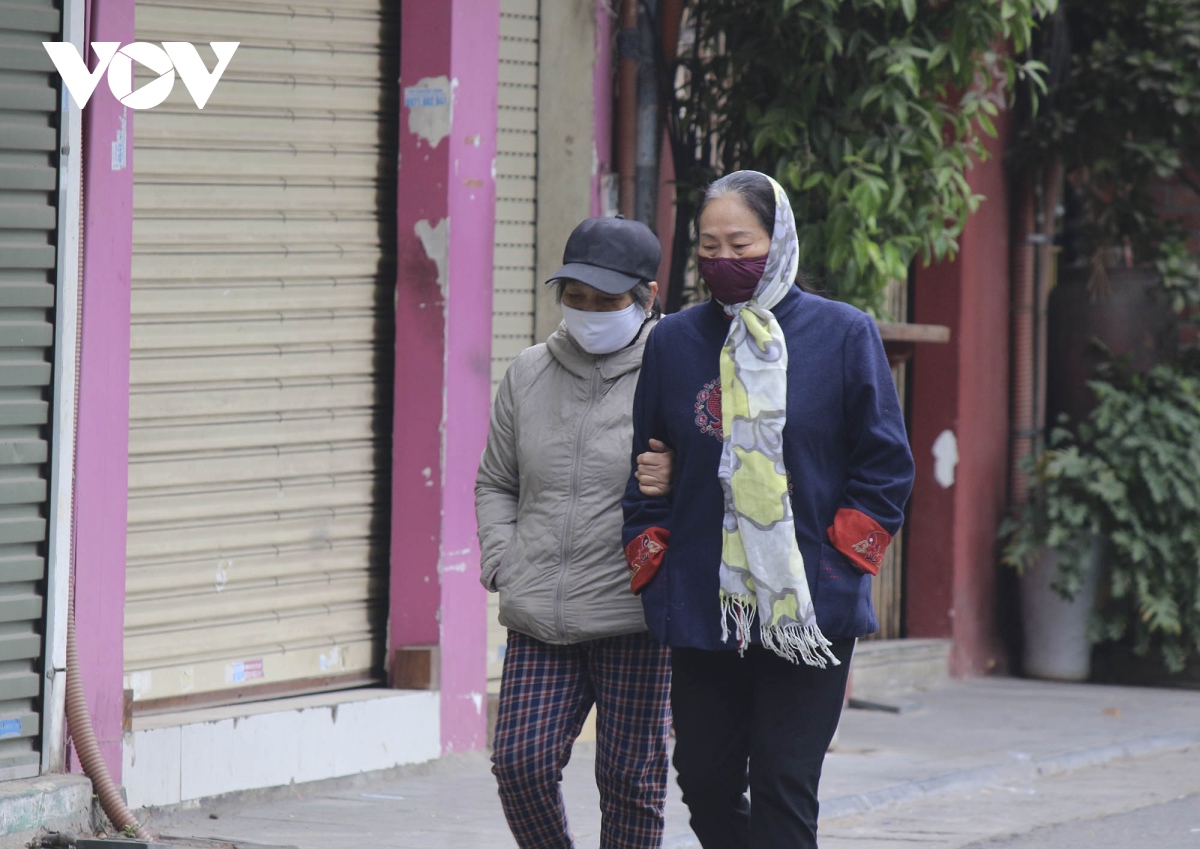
(548, 495)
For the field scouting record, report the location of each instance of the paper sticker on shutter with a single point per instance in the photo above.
(139, 683)
(332, 660)
(244, 670)
(10, 728)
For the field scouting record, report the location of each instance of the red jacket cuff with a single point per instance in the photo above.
(860, 538)
(644, 555)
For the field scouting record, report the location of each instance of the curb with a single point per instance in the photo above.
(1022, 768)
(29, 807)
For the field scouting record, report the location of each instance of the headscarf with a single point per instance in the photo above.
(762, 571)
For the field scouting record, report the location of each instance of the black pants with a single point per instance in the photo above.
(757, 722)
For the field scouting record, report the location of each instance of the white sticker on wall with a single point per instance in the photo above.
(430, 105)
(139, 682)
(945, 458)
(120, 148)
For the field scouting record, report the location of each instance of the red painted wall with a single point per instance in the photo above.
(420, 347)
(930, 552)
(963, 387)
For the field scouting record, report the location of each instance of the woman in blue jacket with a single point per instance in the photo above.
(792, 469)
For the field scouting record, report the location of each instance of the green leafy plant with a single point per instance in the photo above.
(869, 112)
(1122, 116)
(1130, 475)
(1179, 271)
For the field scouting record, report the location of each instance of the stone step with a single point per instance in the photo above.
(887, 670)
(30, 807)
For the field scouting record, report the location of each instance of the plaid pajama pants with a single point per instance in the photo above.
(546, 693)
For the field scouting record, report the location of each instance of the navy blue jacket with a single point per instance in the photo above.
(845, 449)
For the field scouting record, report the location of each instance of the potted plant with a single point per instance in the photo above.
(1123, 485)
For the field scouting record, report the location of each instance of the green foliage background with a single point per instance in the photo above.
(1123, 118)
(869, 112)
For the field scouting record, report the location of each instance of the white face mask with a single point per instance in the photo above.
(604, 332)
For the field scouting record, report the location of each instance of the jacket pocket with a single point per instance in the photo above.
(494, 580)
(526, 600)
(843, 597)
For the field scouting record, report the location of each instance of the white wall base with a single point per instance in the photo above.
(177, 757)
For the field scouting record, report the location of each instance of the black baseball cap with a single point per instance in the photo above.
(610, 254)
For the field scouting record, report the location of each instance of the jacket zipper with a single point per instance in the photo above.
(568, 530)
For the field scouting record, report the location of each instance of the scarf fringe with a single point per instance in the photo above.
(742, 610)
(794, 642)
(798, 642)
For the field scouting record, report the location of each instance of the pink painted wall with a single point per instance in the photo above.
(602, 104)
(963, 387)
(443, 354)
(472, 201)
(102, 460)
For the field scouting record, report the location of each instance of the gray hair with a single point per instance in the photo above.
(641, 293)
(752, 188)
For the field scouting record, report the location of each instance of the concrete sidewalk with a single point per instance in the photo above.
(957, 737)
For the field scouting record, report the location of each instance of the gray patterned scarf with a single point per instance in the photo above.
(762, 571)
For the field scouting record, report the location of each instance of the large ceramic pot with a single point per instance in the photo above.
(1132, 318)
(1055, 630)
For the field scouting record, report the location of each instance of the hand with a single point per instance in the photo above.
(654, 470)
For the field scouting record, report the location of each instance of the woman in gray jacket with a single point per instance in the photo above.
(548, 502)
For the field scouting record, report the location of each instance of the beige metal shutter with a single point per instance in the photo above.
(28, 219)
(263, 274)
(514, 275)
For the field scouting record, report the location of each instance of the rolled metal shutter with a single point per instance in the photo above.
(28, 219)
(514, 264)
(514, 273)
(260, 424)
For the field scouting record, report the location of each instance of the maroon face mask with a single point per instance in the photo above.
(732, 280)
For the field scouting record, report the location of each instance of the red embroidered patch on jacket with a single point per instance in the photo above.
(873, 546)
(708, 409)
(644, 555)
(860, 538)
